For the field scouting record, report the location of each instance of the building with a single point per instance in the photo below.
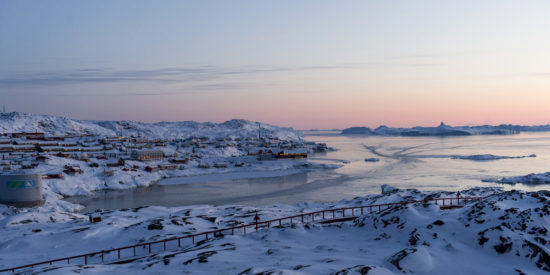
(21, 190)
(147, 155)
(266, 155)
(119, 162)
(28, 135)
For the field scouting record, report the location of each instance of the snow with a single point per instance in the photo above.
(238, 163)
(54, 125)
(445, 130)
(506, 233)
(530, 179)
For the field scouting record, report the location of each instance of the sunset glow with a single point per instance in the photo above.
(313, 64)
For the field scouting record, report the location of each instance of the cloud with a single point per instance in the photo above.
(163, 75)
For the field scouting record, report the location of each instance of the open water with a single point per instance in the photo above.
(404, 162)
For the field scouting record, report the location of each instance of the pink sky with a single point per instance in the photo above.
(326, 65)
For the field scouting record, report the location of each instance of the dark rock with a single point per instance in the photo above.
(155, 225)
(358, 269)
(396, 258)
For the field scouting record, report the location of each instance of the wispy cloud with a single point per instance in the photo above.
(163, 75)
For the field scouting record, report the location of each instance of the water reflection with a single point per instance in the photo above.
(256, 191)
(403, 164)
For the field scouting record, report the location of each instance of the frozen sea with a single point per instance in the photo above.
(425, 163)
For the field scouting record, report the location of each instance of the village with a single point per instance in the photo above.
(59, 157)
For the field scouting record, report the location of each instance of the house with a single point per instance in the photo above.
(5, 141)
(265, 155)
(6, 149)
(54, 138)
(167, 167)
(28, 135)
(147, 155)
(152, 169)
(23, 148)
(62, 155)
(108, 173)
(72, 170)
(180, 161)
(53, 176)
(282, 155)
(42, 158)
(119, 162)
(204, 165)
(220, 165)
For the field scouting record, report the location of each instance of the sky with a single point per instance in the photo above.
(304, 64)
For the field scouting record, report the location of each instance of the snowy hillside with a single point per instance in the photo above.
(54, 125)
(446, 130)
(506, 233)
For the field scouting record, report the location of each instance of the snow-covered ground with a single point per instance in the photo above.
(228, 150)
(54, 125)
(531, 179)
(507, 233)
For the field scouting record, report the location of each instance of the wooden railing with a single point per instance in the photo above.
(144, 249)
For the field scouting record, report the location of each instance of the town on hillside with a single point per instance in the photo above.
(59, 157)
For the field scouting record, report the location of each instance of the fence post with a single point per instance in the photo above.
(85, 260)
(134, 251)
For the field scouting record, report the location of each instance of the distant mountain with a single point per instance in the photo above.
(446, 130)
(54, 125)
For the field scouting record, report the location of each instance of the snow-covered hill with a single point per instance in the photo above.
(54, 125)
(446, 130)
(506, 233)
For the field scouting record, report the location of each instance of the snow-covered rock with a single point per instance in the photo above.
(530, 179)
(506, 233)
(445, 130)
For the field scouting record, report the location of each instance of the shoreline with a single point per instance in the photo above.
(237, 175)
